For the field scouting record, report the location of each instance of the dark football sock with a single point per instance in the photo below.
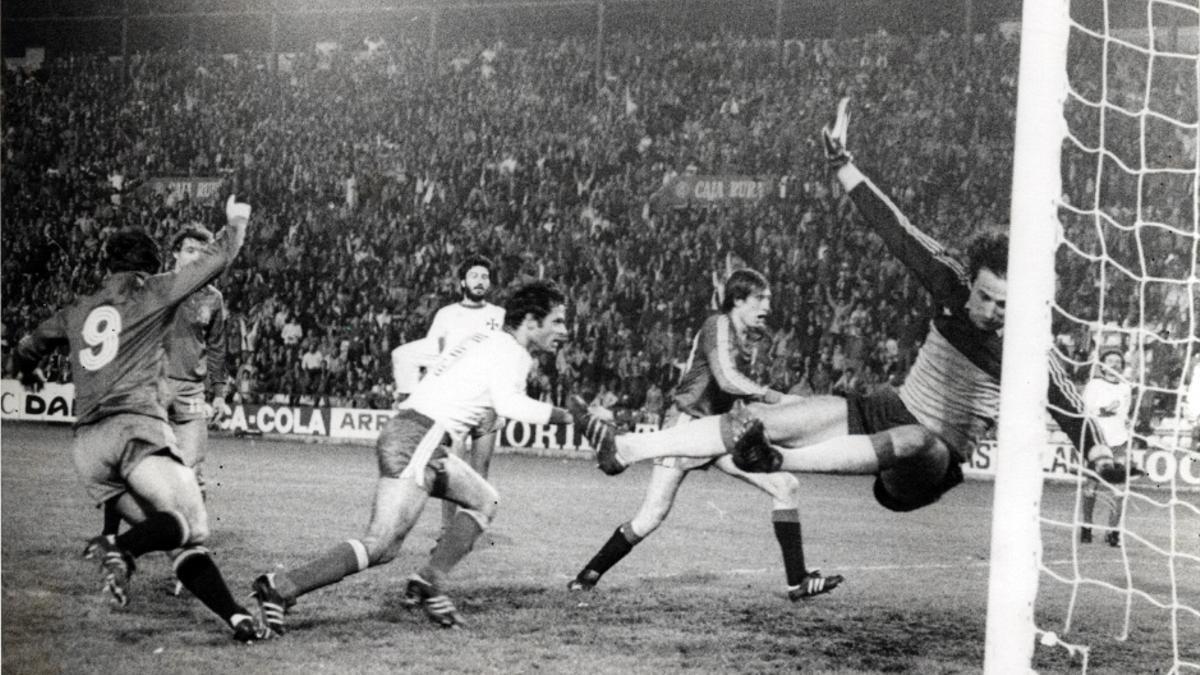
(160, 531)
(617, 547)
(198, 572)
(787, 532)
(112, 517)
(1089, 508)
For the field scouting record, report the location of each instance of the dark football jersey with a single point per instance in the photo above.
(117, 335)
(196, 343)
(719, 368)
(953, 387)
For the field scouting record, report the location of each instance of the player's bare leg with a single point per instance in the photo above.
(192, 437)
(478, 502)
(784, 490)
(166, 493)
(791, 423)
(665, 480)
(478, 455)
(397, 506)
(914, 465)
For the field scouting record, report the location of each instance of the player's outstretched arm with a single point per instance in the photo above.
(939, 273)
(175, 286)
(506, 380)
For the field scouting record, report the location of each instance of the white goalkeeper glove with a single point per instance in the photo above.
(835, 137)
(236, 211)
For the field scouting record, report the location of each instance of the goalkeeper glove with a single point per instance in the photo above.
(835, 137)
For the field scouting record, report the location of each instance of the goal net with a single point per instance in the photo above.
(1105, 243)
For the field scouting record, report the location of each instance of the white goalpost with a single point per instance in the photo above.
(1104, 242)
(1016, 542)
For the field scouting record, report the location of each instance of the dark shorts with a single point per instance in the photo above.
(186, 401)
(412, 436)
(880, 410)
(106, 452)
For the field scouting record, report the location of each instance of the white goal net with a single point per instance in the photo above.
(1104, 261)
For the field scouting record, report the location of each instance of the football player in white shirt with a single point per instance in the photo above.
(452, 323)
(1107, 399)
(472, 314)
(483, 375)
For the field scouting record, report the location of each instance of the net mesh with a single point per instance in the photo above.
(1127, 283)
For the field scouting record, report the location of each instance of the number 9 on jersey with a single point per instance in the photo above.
(102, 329)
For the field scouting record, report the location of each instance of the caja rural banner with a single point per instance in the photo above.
(176, 187)
(695, 189)
(56, 403)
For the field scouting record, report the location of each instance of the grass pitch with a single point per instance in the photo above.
(705, 593)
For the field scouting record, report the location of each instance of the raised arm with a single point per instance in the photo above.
(943, 276)
(173, 287)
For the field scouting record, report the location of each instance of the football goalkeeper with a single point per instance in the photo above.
(914, 437)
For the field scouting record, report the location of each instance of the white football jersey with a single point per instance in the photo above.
(451, 325)
(483, 373)
(1100, 393)
(454, 323)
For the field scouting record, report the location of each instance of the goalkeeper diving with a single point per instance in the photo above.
(913, 438)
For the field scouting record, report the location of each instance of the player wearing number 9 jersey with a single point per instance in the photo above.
(124, 449)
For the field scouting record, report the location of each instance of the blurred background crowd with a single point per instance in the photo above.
(373, 173)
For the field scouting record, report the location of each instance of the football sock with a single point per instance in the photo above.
(1088, 506)
(787, 531)
(847, 454)
(112, 517)
(698, 438)
(1114, 512)
(198, 572)
(339, 562)
(456, 542)
(160, 531)
(618, 546)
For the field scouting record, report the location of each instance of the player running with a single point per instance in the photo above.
(913, 438)
(452, 324)
(123, 448)
(195, 365)
(482, 375)
(718, 375)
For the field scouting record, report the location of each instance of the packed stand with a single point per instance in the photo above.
(373, 177)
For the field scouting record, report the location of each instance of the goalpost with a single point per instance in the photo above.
(1118, 120)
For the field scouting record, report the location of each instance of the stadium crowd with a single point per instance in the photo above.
(372, 174)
